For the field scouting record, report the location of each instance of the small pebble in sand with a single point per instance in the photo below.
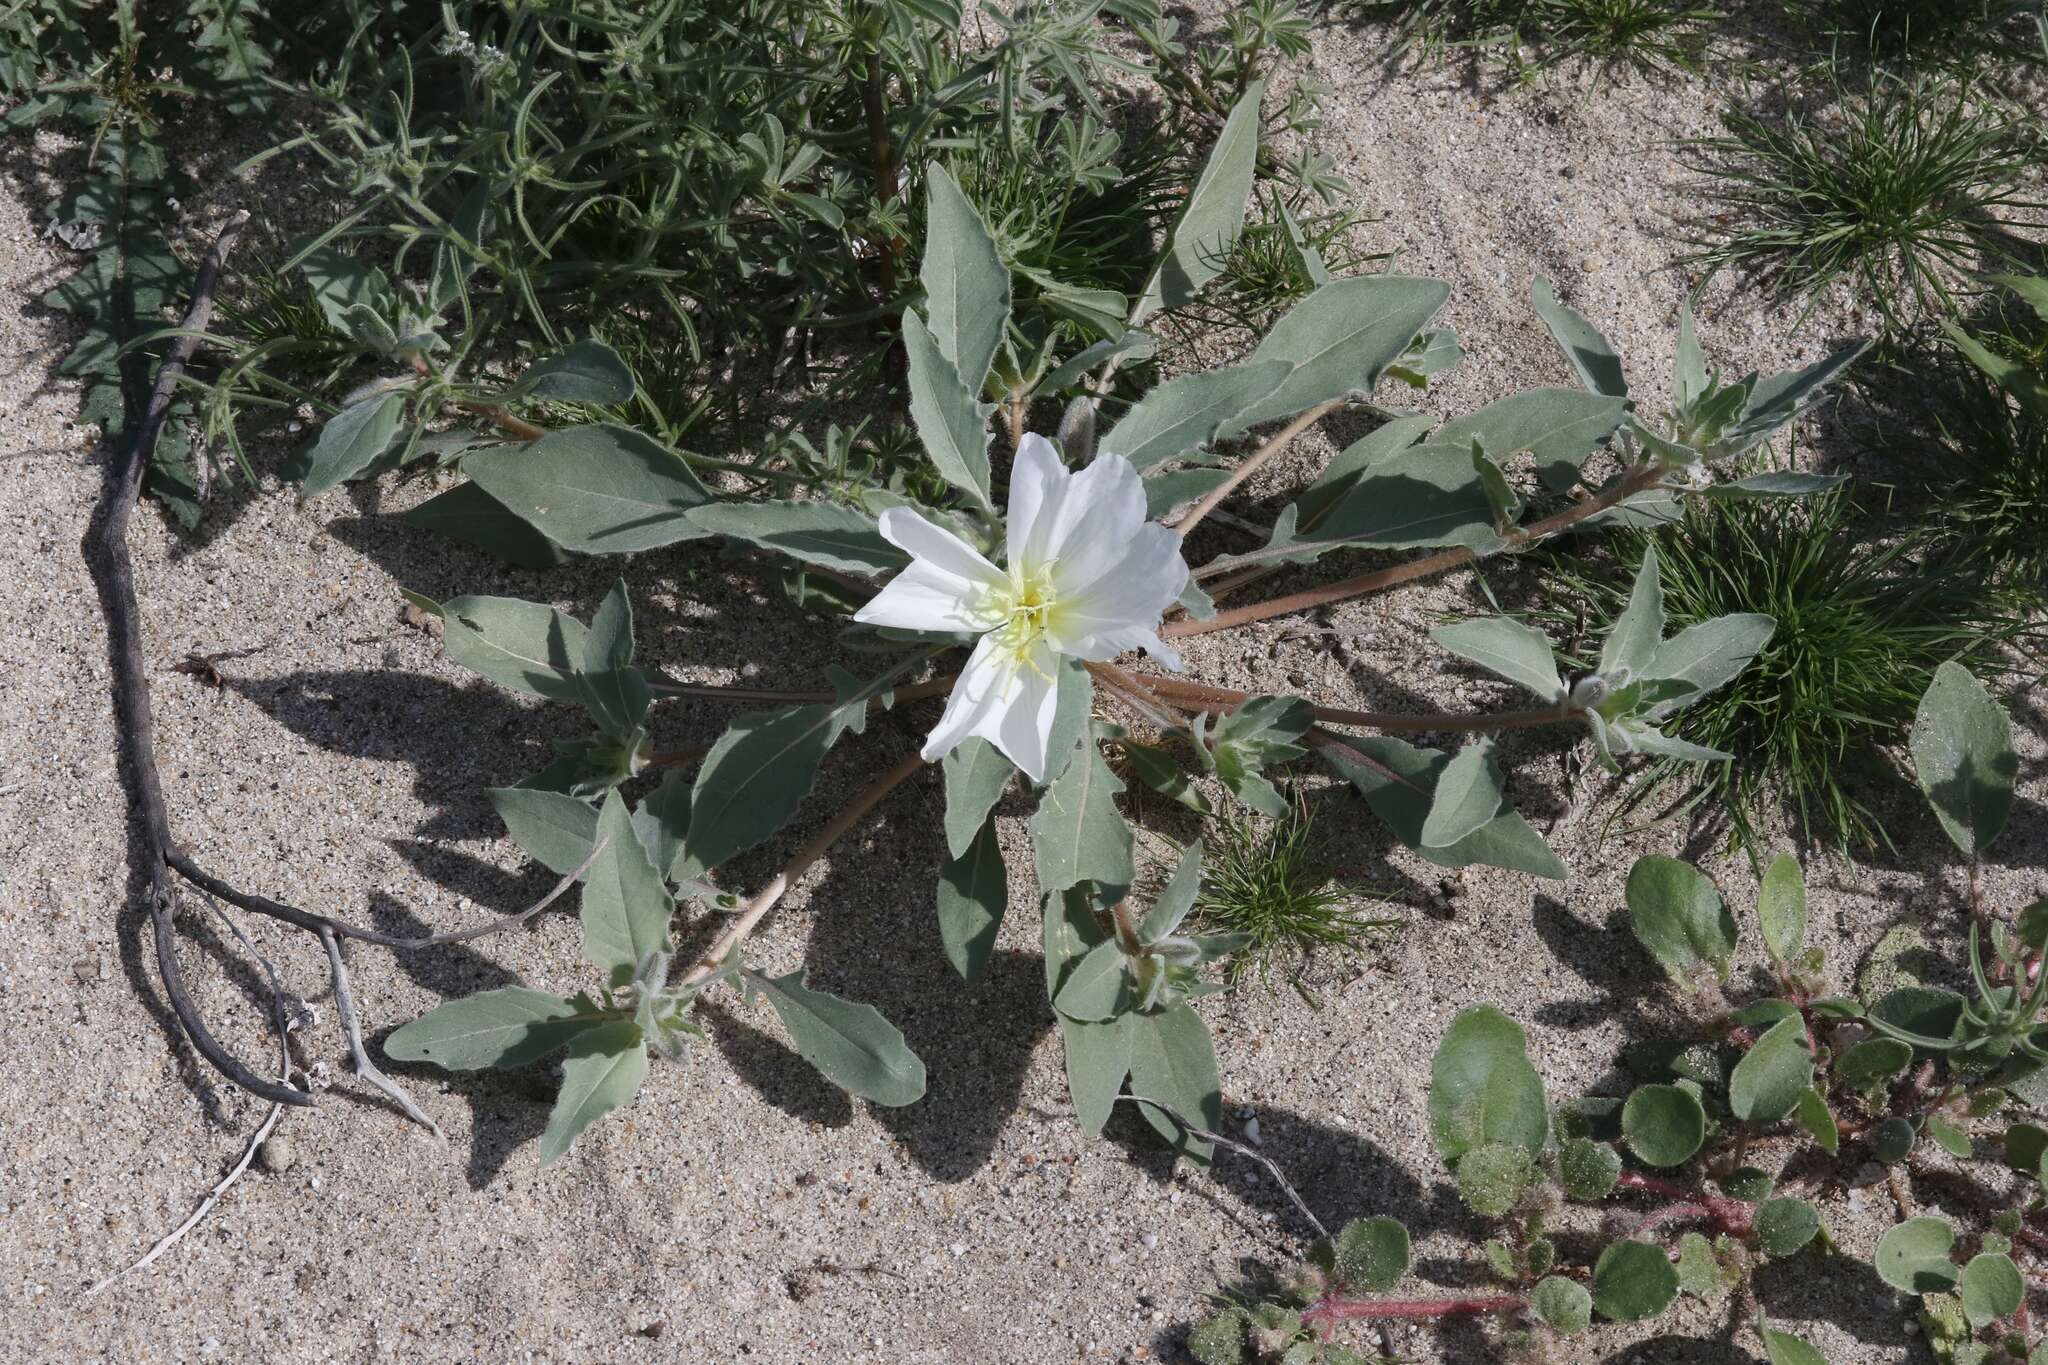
(277, 1155)
(1593, 265)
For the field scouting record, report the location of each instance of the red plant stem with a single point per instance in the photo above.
(1329, 1311)
(1731, 1215)
(1637, 481)
(1194, 696)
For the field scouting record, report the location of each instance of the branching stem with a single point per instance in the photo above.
(1279, 442)
(1193, 696)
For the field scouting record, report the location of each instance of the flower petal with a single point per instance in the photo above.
(1102, 507)
(1004, 700)
(926, 597)
(1142, 578)
(1102, 645)
(1037, 479)
(921, 539)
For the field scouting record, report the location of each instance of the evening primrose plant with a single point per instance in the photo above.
(1718, 1153)
(1022, 595)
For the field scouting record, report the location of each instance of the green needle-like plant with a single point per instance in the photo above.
(1902, 191)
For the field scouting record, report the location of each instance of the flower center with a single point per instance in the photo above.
(1022, 613)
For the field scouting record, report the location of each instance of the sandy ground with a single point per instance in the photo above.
(742, 1209)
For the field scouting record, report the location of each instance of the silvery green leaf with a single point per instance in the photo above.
(1098, 987)
(1397, 780)
(661, 822)
(1431, 353)
(975, 772)
(1914, 1256)
(1354, 460)
(1963, 755)
(587, 372)
(827, 534)
(626, 903)
(1778, 483)
(850, 1044)
(1181, 417)
(1500, 494)
(523, 645)
(1304, 250)
(753, 780)
(1369, 1255)
(1633, 639)
(1073, 706)
(469, 514)
(1174, 1061)
(339, 281)
(1467, 796)
(966, 287)
(1077, 834)
(1157, 770)
(1559, 427)
(1633, 1281)
(600, 489)
(1166, 491)
(1645, 739)
(603, 1070)
(1777, 400)
(1766, 1084)
(369, 328)
(1336, 342)
(1708, 655)
(1564, 1305)
(1425, 495)
(612, 690)
(556, 831)
(350, 442)
(1689, 371)
(1519, 653)
(1071, 929)
(973, 892)
(1176, 899)
(951, 423)
(1482, 1089)
(1991, 1288)
(1138, 345)
(1098, 1058)
(1589, 352)
(1206, 231)
(1678, 915)
(1195, 602)
(508, 1027)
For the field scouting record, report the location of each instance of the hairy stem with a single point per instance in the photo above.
(1330, 1309)
(767, 897)
(1731, 1216)
(1279, 442)
(1638, 480)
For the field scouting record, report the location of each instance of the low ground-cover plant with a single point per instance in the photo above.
(1862, 624)
(1958, 35)
(1045, 585)
(1613, 1206)
(1905, 190)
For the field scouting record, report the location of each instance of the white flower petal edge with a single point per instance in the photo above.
(1088, 578)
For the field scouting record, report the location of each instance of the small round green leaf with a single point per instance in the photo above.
(1371, 1255)
(1747, 1183)
(1699, 1270)
(1781, 908)
(2025, 1144)
(1633, 1281)
(1562, 1304)
(1782, 1348)
(1991, 1288)
(1482, 1088)
(1679, 916)
(1664, 1125)
(1588, 1169)
(1785, 1225)
(1891, 1140)
(1873, 1060)
(1914, 1256)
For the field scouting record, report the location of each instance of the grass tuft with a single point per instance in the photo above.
(1534, 35)
(1861, 628)
(1904, 191)
(1957, 35)
(1263, 881)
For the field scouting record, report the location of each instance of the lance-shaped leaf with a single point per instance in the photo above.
(1206, 232)
(1180, 418)
(1098, 987)
(1425, 495)
(603, 1070)
(1782, 1348)
(1398, 780)
(612, 690)
(1174, 1061)
(1176, 899)
(1467, 797)
(1963, 756)
(1598, 367)
(827, 534)
(467, 513)
(852, 1045)
(350, 442)
(1778, 399)
(1338, 340)
(1679, 916)
(662, 821)
(600, 489)
(1077, 834)
(756, 775)
(1632, 641)
(1559, 427)
(1168, 490)
(555, 830)
(974, 891)
(1262, 731)
(1777, 483)
(1708, 655)
(975, 773)
(951, 423)
(1781, 908)
(1519, 653)
(1767, 1083)
(508, 1027)
(1482, 1089)
(966, 287)
(626, 904)
(587, 372)
(523, 645)
(1353, 461)
(1098, 1058)
(1689, 374)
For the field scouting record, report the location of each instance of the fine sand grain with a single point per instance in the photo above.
(742, 1209)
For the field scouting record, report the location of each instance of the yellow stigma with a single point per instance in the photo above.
(1023, 612)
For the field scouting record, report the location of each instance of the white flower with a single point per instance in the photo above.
(1088, 578)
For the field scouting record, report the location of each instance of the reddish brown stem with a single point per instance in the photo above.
(1637, 481)
(1732, 1216)
(1328, 1311)
(1194, 696)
